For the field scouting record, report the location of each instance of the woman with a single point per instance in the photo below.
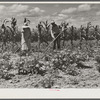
(26, 35)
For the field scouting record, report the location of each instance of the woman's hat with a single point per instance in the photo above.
(25, 20)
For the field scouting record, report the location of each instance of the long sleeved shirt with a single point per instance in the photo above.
(54, 30)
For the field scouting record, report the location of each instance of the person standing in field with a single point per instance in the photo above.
(26, 36)
(55, 31)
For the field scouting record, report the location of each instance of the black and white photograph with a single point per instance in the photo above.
(49, 45)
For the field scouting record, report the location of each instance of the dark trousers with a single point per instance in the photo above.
(56, 42)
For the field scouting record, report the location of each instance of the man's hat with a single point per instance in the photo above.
(52, 22)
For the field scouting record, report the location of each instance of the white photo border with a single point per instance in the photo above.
(68, 93)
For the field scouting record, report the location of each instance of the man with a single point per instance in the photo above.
(55, 35)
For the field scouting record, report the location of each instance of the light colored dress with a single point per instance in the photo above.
(25, 38)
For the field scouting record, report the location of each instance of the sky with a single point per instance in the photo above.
(75, 14)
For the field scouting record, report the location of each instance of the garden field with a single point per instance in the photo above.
(65, 68)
